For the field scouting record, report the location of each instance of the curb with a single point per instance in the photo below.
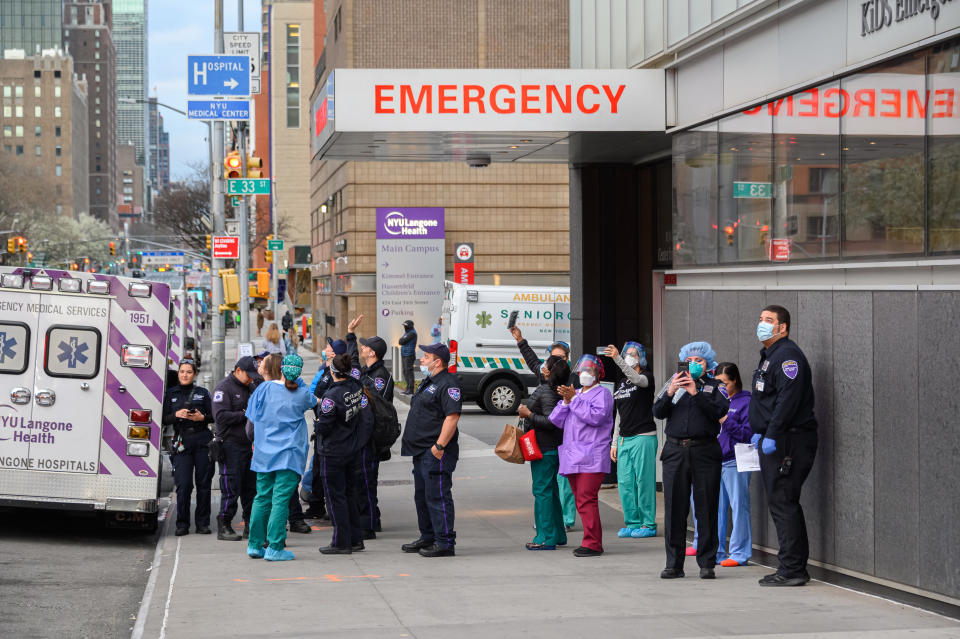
(148, 591)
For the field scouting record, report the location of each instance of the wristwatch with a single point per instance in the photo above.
(439, 446)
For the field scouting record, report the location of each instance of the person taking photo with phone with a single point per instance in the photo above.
(693, 405)
(188, 409)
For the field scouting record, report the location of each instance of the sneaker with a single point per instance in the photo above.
(583, 551)
(255, 553)
(639, 533)
(691, 551)
(532, 546)
(277, 555)
(730, 563)
(624, 533)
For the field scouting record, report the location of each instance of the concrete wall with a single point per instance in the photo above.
(881, 499)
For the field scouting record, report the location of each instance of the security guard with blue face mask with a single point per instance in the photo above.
(692, 404)
(430, 437)
(785, 431)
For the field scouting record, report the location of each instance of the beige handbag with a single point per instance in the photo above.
(508, 448)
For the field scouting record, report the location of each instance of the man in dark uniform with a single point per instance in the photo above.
(236, 479)
(782, 418)
(408, 353)
(692, 405)
(430, 437)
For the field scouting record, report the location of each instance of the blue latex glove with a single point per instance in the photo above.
(755, 440)
(769, 446)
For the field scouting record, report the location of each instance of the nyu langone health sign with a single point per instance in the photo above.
(414, 223)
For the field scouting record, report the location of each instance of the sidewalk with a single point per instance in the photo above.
(202, 587)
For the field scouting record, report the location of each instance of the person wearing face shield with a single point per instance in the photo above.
(693, 405)
(785, 431)
(634, 446)
(586, 418)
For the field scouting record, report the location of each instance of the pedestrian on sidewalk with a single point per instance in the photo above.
(343, 429)
(430, 437)
(272, 341)
(187, 408)
(408, 353)
(237, 480)
(291, 342)
(635, 444)
(547, 512)
(785, 431)
(436, 331)
(259, 321)
(692, 405)
(280, 446)
(734, 485)
(536, 366)
(286, 321)
(586, 417)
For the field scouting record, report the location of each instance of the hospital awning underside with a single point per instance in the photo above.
(480, 116)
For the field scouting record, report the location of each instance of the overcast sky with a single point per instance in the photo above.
(177, 28)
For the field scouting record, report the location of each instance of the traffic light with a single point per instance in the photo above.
(113, 248)
(209, 242)
(22, 244)
(254, 166)
(12, 245)
(74, 267)
(231, 165)
(267, 253)
(231, 287)
(263, 284)
(728, 230)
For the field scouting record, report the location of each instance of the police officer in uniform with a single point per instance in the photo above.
(692, 404)
(430, 437)
(236, 450)
(782, 418)
(187, 408)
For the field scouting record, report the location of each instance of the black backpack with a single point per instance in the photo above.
(386, 424)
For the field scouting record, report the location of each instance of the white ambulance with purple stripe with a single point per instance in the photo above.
(82, 367)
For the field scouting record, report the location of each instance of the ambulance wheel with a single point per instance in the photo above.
(501, 397)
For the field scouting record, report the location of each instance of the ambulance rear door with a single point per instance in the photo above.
(70, 376)
(18, 344)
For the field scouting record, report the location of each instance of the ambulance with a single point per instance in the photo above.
(83, 362)
(483, 354)
(178, 334)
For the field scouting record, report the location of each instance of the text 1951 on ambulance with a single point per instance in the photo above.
(483, 355)
(82, 366)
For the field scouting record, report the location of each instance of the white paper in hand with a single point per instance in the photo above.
(748, 458)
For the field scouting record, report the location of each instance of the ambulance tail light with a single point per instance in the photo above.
(140, 415)
(12, 280)
(41, 283)
(70, 284)
(138, 432)
(453, 356)
(138, 449)
(140, 289)
(98, 287)
(132, 356)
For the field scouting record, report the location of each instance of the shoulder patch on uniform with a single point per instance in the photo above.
(454, 394)
(790, 368)
(364, 401)
(327, 405)
(379, 383)
(355, 373)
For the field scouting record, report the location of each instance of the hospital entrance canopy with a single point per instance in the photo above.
(480, 116)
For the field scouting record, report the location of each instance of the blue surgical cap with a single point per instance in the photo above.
(700, 349)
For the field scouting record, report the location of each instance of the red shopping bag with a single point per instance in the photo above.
(529, 447)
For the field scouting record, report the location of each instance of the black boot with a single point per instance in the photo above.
(225, 531)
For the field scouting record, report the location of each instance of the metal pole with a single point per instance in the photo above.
(218, 345)
(244, 262)
(274, 286)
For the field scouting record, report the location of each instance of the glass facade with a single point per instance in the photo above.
(130, 38)
(867, 166)
(293, 76)
(28, 24)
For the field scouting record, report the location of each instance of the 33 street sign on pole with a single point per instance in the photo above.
(248, 186)
(755, 190)
(226, 76)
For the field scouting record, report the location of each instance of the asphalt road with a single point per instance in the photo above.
(67, 575)
(485, 427)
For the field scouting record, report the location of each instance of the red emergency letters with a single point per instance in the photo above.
(864, 103)
(504, 99)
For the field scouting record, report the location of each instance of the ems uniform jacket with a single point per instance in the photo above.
(188, 397)
(230, 399)
(323, 380)
(587, 423)
(380, 378)
(541, 403)
(345, 421)
(782, 397)
(693, 416)
(435, 399)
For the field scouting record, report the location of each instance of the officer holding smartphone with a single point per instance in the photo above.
(785, 431)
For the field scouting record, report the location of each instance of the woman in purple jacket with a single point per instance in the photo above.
(734, 486)
(586, 418)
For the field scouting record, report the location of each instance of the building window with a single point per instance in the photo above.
(56, 131)
(56, 92)
(96, 44)
(337, 25)
(7, 131)
(59, 209)
(695, 203)
(58, 170)
(18, 131)
(8, 148)
(56, 112)
(7, 111)
(37, 91)
(19, 149)
(56, 73)
(58, 151)
(97, 123)
(37, 131)
(36, 73)
(96, 78)
(293, 76)
(96, 55)
(18, 111)
(37, 111)
(7, 91)
(18, 91)
(38, 150)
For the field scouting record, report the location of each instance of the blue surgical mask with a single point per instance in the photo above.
(424, 370)
(764, 331)
(696, 369)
